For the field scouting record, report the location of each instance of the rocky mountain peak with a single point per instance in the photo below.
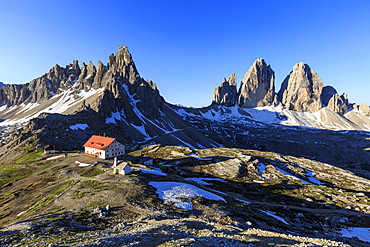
(124, 55)
(122, 65)
(225, 94)
(301, 89)
(117, 79)
(331, 99)
(257, 86)
(259, 62)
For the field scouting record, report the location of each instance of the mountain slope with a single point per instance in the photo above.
(218, 196)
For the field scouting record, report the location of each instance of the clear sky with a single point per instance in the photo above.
(187, 47)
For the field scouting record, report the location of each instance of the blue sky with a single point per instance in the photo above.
(187, 47)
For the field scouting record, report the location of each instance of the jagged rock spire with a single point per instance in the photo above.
(301, 89)
(225, 94)
(331, 99)
(123, 66)
(257, 86)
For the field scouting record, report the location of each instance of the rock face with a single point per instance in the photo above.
(119, 78)
(331, 99)
(301, 89)
(364, 109)
(257, 86)
(225, 94)
(115, 96)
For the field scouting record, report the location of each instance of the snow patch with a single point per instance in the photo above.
(311, 176)
(82, 164)
(179, 193)
(242, 200)
(361, 233)
(198, 158)
(79, 126)
(114, 116)
(64, 101)
(261, 168)
(273, 214)
(55, 157)
(185, 143)
(291, 175)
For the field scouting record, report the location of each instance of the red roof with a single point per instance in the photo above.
(99, 142)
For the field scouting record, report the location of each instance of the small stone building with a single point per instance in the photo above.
(48, 149)
(122, 168)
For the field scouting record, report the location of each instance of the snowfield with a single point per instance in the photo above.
(279, 115)
(179, 193)
(63, 101)
(359, 232)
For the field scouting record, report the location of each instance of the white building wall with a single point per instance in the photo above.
(94, 151)
(113, 150)
(126, 170)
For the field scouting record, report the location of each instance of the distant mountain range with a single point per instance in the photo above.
(115, 100)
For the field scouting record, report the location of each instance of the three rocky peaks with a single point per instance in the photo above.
(302, 90)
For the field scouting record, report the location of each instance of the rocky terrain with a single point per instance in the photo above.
(253, 168)
(218, 196)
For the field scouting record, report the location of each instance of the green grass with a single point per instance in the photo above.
(5, 215)
(88, 186)
(96, 204)
(14, 173)
(44, 201)
(91, 184)
(29, 157)
(93, 172)
(7, 168)
(6, 197)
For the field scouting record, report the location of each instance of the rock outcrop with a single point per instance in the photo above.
(331, 99)
(257, 86)
(301, 89)
(226, 94)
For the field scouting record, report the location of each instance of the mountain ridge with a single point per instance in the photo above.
(114, 99)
